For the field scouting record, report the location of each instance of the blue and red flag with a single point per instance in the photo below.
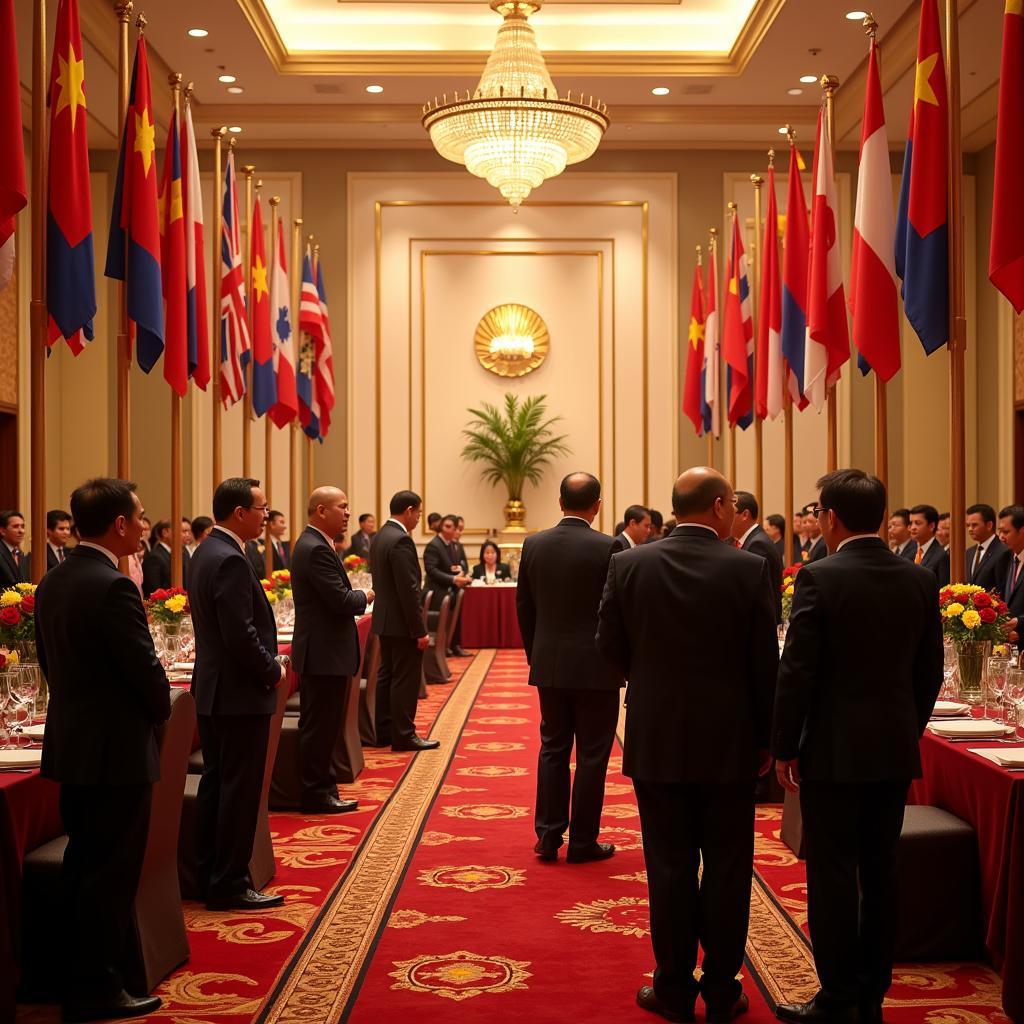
(796, 245)
(310, 328)
(738, 335)
(234, 325)
(324, 357)
(693, 391)
(195, 257)
(771, 370)
(133, 250)
(709, 378)
(922, 237)
(175, 282)
(264, 382)
(70, 273)
(287, 406)
(13, 190)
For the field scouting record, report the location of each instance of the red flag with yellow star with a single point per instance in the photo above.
(692, 388)
(264, 381)
(133, 250)
(175, 282)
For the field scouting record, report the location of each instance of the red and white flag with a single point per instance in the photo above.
(235, 349)
(828, 336)
(324, 373)
(874, 303)
(770, 366)
(195, 257)
(13, 191)
(287, 406)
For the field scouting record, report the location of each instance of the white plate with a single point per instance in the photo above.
(20, 758)
(183, 666)
(1005, 757)
(34, 732)
(978, 728)
(950, 707)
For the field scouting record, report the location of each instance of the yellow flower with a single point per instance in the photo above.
(265, 583)
(176, 604)
(272, 597)
(26, 588)
(9, 598)
(953, 610)
(11, 656)
(972, 620)
(789, 590)
(287, 592)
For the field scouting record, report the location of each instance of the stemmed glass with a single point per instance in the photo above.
(1013, 705)
(995, 682)
(950, 666)
(6, 692)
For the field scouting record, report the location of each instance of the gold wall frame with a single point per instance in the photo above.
(511, 318)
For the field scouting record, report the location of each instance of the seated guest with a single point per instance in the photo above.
(201, 527)
(491, 568)
(658, 526)
(434, 522)
(108, 694)
(363, 537)
(58, 530)
(988, 559)
(156, 566)
(1011, 533)
(924, 523)
(942, 533)
(443, 570)
(749, 536)
(814, 547)
(636, 528)
(900, 540)
(14, 563)
(277, 527)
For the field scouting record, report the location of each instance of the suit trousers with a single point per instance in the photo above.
(228, 803)
(321, 715)
(107, 829)
(398, 689)
(684, 824)
(851, 833)
(588, 718)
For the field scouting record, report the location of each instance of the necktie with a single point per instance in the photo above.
(977, 561)
(1016, 572)
(919, 557)
(60, 554)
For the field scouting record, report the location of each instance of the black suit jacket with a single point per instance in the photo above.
(759, 543)
(11, 574)
(396, 583)
(156, 569)
(437, 563)
(937, 559)
(861, 669)
(236, 637)
(501, 571)
(621, 543)
(360, 544)
(561, 578)
(691, 624)
(326, 642)
(51, 558)
(255, 550)
(992, 569)
(817, 550)
(910, 551)
(1014, 597)
(108, 691)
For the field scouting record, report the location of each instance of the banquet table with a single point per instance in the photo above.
(489, 617)
(991, 800)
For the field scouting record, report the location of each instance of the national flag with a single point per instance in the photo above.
(13, 190)
(1006, 254)
(264, 384)
(195, 257)
(70, 272)
(874, 303)
(771, 370)
(796, 244)
(310, 328)
(324, 357)
(287, 406)
(738, 335)
(692, 389)
(133, 250)
(828, 335)
(709, 374)
(172, 258)
(922, 237)
(234, 329)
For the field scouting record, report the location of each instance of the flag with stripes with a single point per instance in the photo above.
(172, 263)
(234, 329)
(310, 328)
(286, 408)
(771, 371)
(324, 357)
(195, 257)
(738, 335)
(796, 243)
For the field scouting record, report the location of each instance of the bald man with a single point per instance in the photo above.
(690, 622)
(325, 650)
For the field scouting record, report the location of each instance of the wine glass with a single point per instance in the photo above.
(6, 685)
(950, 667)
(995, 682)
(28, 686)
(1013, 704)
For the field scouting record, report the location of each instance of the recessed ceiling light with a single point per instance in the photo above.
(856, 15)
(375, 88)
(226, 78)
(236, 89)
(808, 79)
(795, 92)
(234, 129)
(198, 33)
(660, 90)
(782, 130)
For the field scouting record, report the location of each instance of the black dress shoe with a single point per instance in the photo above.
(418, 743)
(599, 851)
(460, 652)
(248, 900)
(121, 1006)
(331, 805)
(817, 1011)
(871, 1013)
(719, 1015)
(647, 999)
(548, 853)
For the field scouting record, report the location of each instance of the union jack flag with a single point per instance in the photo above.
(235, 348)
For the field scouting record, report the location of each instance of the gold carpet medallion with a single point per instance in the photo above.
(620, 811)
(187, 991)
(623, 838)
(485, 812)
(502, 707)
(495, 747)
(443, 838)
(472, 877)
(637, 876)
(461, 975)
(500, 720)
(492, 771)
(628, 915)
(255, 931)
(414, 918)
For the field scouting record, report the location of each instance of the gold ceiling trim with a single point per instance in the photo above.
(632, 63)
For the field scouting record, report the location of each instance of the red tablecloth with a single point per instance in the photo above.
(991, 800)
(489, 617)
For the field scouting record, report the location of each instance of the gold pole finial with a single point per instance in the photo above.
(756, 180)
(174, 79)
(298, 222)
(247, 169)
(829, 84)
(140, 23)
(732, 208)
(870, 25)
(217, 133)
(791, 134)
(123, 10)
(700, 251)
(232, 142)
(713, 233)
(771, 157)
(275, 200)
(259, 184)
(188, 93)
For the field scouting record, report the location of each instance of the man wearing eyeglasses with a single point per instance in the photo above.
(814, 547)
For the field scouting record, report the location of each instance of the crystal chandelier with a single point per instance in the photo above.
(514, 130)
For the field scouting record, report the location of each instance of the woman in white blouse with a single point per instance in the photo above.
(491, 569)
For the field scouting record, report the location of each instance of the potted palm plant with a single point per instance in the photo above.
(515, 444)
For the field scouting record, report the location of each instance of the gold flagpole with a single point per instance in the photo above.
(717, 410)
(174, 81)
(830, 83)
(755, 293)
(268, 550)
(957, 304)
(733, 213)
(248, 170)
(293, 452)
(310, 471)
(216, 260)
(39, 319)
(787, 411)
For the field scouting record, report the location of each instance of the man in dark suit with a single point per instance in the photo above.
(775, 527)
(444, 573)
(277, 527)
(924, 522)
(363, 537)
(561, 577)
(636, 529)
(813, 547)
(690, 623)
(15, 564)
(233, 684)
(987, 561)
(156, 566)
(750, 536)
(900, 540)
(1011, 533)
(325, 650)
(848, 719)
(108, 693)
(58, 530)
(398, 621)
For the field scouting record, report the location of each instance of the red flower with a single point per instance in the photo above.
(982, 600)
(159, 595)
(28, 603)
(1002, 608)
(944, 595)
(10, 616)
(987, 615)
(268, 586)
(3, 660)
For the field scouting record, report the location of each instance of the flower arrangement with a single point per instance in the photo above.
(8, 659)
(356, 563)
(17, 614)
(167, 606)
(788, 583)
(972, 614)
(279, 586)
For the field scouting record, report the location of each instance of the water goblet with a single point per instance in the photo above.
(995, 681)
(950, 667)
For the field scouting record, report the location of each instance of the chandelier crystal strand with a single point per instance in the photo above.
(514, 131)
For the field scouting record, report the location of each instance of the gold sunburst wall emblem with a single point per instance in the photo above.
(511, 340)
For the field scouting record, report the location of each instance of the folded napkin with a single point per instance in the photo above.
(949, 707)
(1006, 757)
(978, 728)
(22, 757)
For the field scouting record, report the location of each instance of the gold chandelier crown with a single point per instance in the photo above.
(514, 130)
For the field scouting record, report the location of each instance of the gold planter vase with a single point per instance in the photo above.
(515, 516)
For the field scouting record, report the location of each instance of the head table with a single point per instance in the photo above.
(489, 616)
